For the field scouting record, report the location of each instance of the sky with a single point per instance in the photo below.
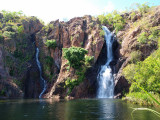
(49, 10)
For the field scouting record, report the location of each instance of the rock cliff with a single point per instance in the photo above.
(19, 76)
(133, 41)
(80, 32)
(19, 37)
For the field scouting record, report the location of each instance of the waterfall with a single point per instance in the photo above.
(105, 76)
(40, 71)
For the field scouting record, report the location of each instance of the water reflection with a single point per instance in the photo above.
(90, 109)
(107, 109)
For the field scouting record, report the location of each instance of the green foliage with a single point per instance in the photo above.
(155, 33)
(1, 38)
(118, 22)
(70, 83)
(49, 61)
(132, 15)
(18, 54)
(20, 30)
(75, 56)
(13, 16)
(143, 8)
(135, 56)
(88, 60)
(102, 33)
(51, 44)
(9, 34)
(129, 72)
(77, 59)
(47, 27)
(142, 38)
(145, 74)
(114, 19)
(102, 19)
(9, 61)
(141, 98)
(8, 28)
(3, 92)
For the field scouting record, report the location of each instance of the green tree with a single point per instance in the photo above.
(75, 56)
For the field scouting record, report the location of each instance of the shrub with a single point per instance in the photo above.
(118, 22)
(133, 15)
(142, 38)
(143, 8)
(51, 44)
(102, 19)
(128, 72)
(75, 56)
(20, 30)
(146, 73)
(77, 59)
(49, 60)
(1, 38)
(7, 15)
(102, 33)
(155, 33)
(114, 19)
(8, 28)
(88, 60)
(135, 56)
(18, 54)
(109, 18)
(141, 98)
(70, 83)
(9, 34)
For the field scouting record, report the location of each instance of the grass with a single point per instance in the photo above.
(141, 98)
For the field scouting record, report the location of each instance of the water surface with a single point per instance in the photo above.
(87, 109)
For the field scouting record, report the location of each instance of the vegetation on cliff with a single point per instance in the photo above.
(16, 47)
(77, 59)
(143, 67)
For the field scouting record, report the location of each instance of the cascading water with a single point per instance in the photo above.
(105, 76)
(40, 71)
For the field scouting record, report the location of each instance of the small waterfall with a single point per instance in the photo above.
(40, 70)
(105, 76)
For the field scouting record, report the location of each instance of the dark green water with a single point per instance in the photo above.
(89, 109)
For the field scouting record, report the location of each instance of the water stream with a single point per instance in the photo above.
(105, 76)
(40, 71)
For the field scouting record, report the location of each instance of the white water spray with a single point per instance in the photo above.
(105, 76)
(40, 71)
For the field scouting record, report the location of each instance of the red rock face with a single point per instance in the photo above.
(79, 32)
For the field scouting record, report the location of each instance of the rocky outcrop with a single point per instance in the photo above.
(129, 43)
(19, 76)
(80, 32)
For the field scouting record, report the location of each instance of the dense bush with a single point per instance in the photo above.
(143, 8)
(1, 38)
(142, 98)
(9, 34)
(114, 19)
(142, 38)
(75, 56)
(77, 59)
(102, 33)
(20, 30)
(135, 56)
(13, 16)
(51, 44)
(155, 33)
(49, 61)
(146, 74)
